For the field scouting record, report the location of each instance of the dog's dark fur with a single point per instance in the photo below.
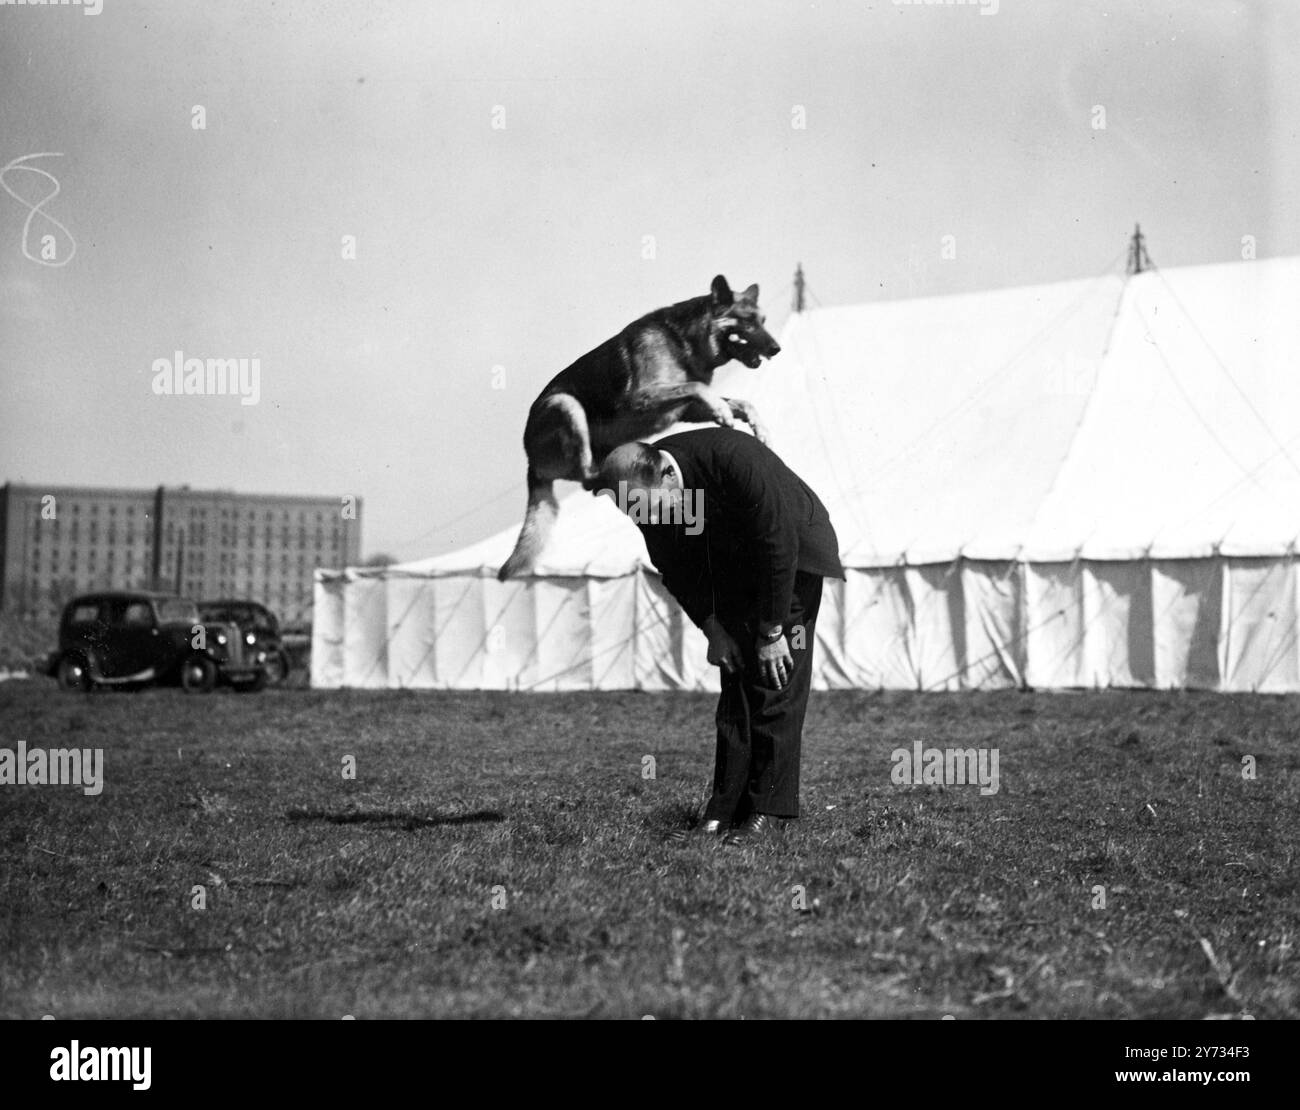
(655, 372)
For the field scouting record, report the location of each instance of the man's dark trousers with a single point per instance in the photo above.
(760, 730)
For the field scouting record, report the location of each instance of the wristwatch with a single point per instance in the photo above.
(772, 634)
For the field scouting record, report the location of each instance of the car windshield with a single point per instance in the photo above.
(178, 609)
(246, 615)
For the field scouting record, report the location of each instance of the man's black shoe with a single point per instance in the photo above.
(711, 827)
(755, 829)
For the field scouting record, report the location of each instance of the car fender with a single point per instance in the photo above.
(185, 656)
(86, 656)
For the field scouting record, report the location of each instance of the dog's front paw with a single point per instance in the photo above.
(759, 429)
(722, 414)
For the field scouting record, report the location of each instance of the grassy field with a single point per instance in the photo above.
(502, 855)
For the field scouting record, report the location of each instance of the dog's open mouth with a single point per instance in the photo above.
(745, 351)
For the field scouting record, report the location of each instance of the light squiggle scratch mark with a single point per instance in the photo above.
(37, 209)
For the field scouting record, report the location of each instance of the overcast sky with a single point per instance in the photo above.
(522, 246)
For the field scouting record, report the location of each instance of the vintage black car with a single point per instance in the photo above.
(133, 638)
(259, 627)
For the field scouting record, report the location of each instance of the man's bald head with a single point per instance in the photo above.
(642, 481)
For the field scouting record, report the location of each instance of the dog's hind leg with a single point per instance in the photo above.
(558, 446)
(558, 439)
(538, 520)
(578, 449)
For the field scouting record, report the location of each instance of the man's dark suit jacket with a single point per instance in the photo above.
(762, 524)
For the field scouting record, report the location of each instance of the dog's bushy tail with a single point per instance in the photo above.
(542, 508)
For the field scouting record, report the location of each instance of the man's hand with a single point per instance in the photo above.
(724, 652)
(775, 662)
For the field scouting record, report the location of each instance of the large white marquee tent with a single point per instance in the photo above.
(1088, 483)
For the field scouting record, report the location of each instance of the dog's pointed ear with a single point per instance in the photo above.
(722, 294)
(750, 295)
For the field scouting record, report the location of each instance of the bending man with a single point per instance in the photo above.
(743, 544)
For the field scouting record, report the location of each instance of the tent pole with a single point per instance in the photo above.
(1138, 259)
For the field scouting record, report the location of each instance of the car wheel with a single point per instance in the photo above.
(253, 685)
(198, 675)
(73, 675)
(277, 667)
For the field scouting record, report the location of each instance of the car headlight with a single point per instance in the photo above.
(250, 639)
(221, 637)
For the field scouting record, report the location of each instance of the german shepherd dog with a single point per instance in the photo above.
(656, 371)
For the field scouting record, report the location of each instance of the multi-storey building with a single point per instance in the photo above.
(56, 541)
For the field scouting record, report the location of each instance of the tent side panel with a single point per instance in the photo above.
(937, 633)
(1186, 606)
(670, 651)
(878, 629)
(1119, 648)
(509, 649)
(656, 645)
(412, 624)
(612, 611)
(460, 632)
(994, 649)
(830, 666)
(1054, 624)
(1260, 629)
(327, 633)
(365, 624)
(564, 643)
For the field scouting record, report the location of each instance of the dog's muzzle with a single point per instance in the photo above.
(742, 349)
